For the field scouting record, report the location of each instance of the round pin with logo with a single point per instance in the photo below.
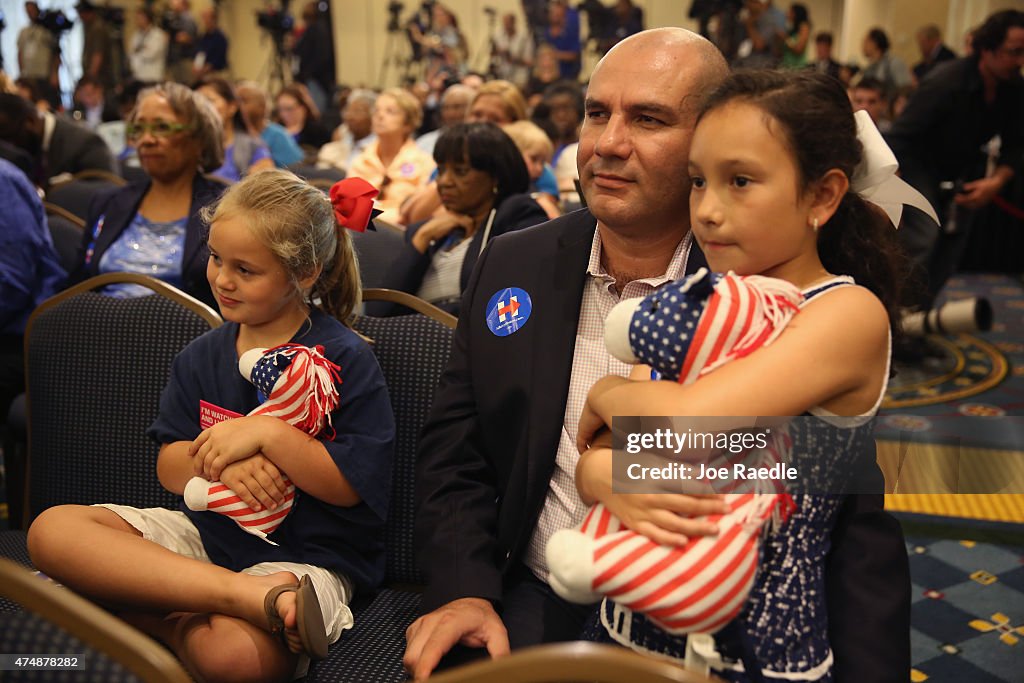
(508, 310)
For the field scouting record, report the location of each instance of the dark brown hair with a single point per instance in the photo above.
(813, 114)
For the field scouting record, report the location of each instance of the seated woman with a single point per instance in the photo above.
(483, 183)
(244, 152)
(153, 226)
(498, 102)
(393, 162)
(537, 151)
(300, 117)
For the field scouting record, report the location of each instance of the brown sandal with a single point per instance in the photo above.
(308, 617)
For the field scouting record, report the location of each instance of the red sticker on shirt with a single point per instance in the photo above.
(210, 414)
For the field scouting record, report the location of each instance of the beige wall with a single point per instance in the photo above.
(362, 41)
(902, 18)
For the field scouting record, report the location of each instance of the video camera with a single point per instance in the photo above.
(394, 14)
(114, 16)
(54, 21)
(276, 22)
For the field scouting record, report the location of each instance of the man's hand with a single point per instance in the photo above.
(470, 621)
(979, 193)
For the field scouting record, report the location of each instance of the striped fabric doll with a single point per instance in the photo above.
(684, 330)
(300, 387)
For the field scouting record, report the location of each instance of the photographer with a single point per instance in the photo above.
(97, 47)
(148, 57)
(37, 49)
(512, 51)
(563, 33)
(183, 32)
(314, 52)
(211, 49)
(442, 44)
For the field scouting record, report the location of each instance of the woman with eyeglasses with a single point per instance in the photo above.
(299, 115)
(152, 227)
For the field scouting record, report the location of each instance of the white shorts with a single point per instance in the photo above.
(173, 530)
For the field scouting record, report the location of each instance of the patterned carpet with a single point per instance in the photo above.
(972, 376)
(961, 411)
(967, 613)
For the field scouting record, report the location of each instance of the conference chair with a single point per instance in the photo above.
(412, 351)
(312, 172)
(66, 231)
(76, 193)
(377, 251)
(95, 367)
(53, 622)
(575, 662)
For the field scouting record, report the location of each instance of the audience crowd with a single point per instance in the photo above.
(459, 157)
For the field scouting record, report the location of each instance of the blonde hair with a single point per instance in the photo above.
(528, 137)
(511, 98)
(296, 222)
(409, 105)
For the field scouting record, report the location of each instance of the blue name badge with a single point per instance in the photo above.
(508, 310)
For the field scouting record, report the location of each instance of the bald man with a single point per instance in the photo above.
(496, 462)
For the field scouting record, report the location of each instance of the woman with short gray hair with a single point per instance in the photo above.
(153, 226)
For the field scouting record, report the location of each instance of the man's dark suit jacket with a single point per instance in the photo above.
(75, 148)
(488, 450)
(118, 209)
(943, 54)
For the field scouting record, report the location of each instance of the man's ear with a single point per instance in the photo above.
(826, 194)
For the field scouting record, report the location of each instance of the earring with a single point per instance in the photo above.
(494, 189)
(814, 224)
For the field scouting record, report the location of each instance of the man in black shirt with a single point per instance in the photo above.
(939, 140)
(933, 51)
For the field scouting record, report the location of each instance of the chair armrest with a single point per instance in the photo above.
(143, 656)
(571, 662)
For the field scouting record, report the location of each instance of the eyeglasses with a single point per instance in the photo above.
(158, 129)
(1014, 51)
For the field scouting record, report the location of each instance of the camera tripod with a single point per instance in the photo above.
(275, 75)
(486, 50)
(395, 56)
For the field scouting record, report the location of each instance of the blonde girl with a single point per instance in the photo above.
(230, 604)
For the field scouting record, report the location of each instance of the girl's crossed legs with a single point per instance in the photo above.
(150, 565)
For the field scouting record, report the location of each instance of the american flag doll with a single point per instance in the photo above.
(297, 384)
(683, 331)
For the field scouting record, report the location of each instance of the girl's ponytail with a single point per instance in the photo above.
(339, 287)
(860, 241)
